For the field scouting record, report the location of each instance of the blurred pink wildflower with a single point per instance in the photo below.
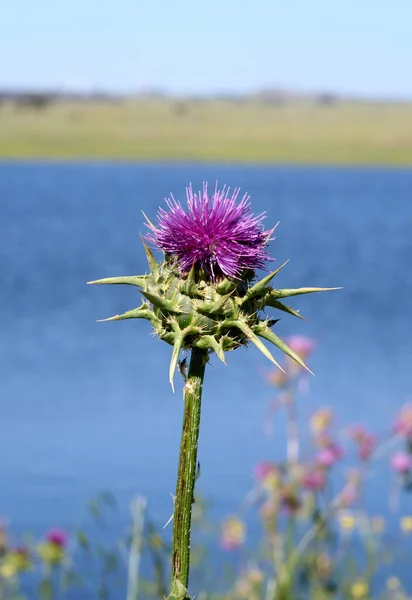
(366, 448)
(277, 378)
(350, 492)
(403, 422)
(326, 457)
(366, 442)
(348, 496)
(269, 509)
(314, 479)
(263, 470)
(291, 502)
(401, 462)
(302, 345)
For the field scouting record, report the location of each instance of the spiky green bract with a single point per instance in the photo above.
(191, 312)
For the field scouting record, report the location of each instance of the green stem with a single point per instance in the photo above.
(186, 476)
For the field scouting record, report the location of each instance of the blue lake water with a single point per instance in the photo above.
(86, 406)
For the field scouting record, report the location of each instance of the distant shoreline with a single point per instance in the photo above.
(320, 131)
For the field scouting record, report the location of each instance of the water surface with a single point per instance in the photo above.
(86, 406)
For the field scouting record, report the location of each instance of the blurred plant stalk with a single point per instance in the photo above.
(138, 510)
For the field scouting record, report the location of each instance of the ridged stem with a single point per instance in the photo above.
(186, 476)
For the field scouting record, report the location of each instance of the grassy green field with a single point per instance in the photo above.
(250, 132)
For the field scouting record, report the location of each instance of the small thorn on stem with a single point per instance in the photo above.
(182, 366)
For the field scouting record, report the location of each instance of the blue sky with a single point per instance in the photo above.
(353, 46)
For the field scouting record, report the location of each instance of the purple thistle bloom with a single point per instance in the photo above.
(57, 536)
(216, 234)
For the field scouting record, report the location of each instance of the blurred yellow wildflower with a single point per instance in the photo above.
(156, 541)
(393, 583)
(346, 521)
(323, 566)
(321, 420)
(233, 533)
(7, 570)
(14, 562)
(378, 524)
(277, 378)
(255, 576)
(406, 524)
(51, 553)
(271, 482)
(359, 589)
(269, 509)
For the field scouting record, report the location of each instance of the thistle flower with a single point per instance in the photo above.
(203, 297)
(203, 294)
(216, 235)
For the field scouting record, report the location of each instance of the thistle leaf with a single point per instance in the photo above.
(143, 312)
(151, 261)
(148, 221)
(286, 293)
(255, 340)
(163, 303)
(284, 307)
(260, 287)
(189, 288)
(212, 343)
(226, 286)
(212, 308)
(177, 346)
(138, 280)
(272, 322)
(267, 334)
(178, 591)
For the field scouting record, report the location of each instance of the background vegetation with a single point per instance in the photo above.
(321, 130)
